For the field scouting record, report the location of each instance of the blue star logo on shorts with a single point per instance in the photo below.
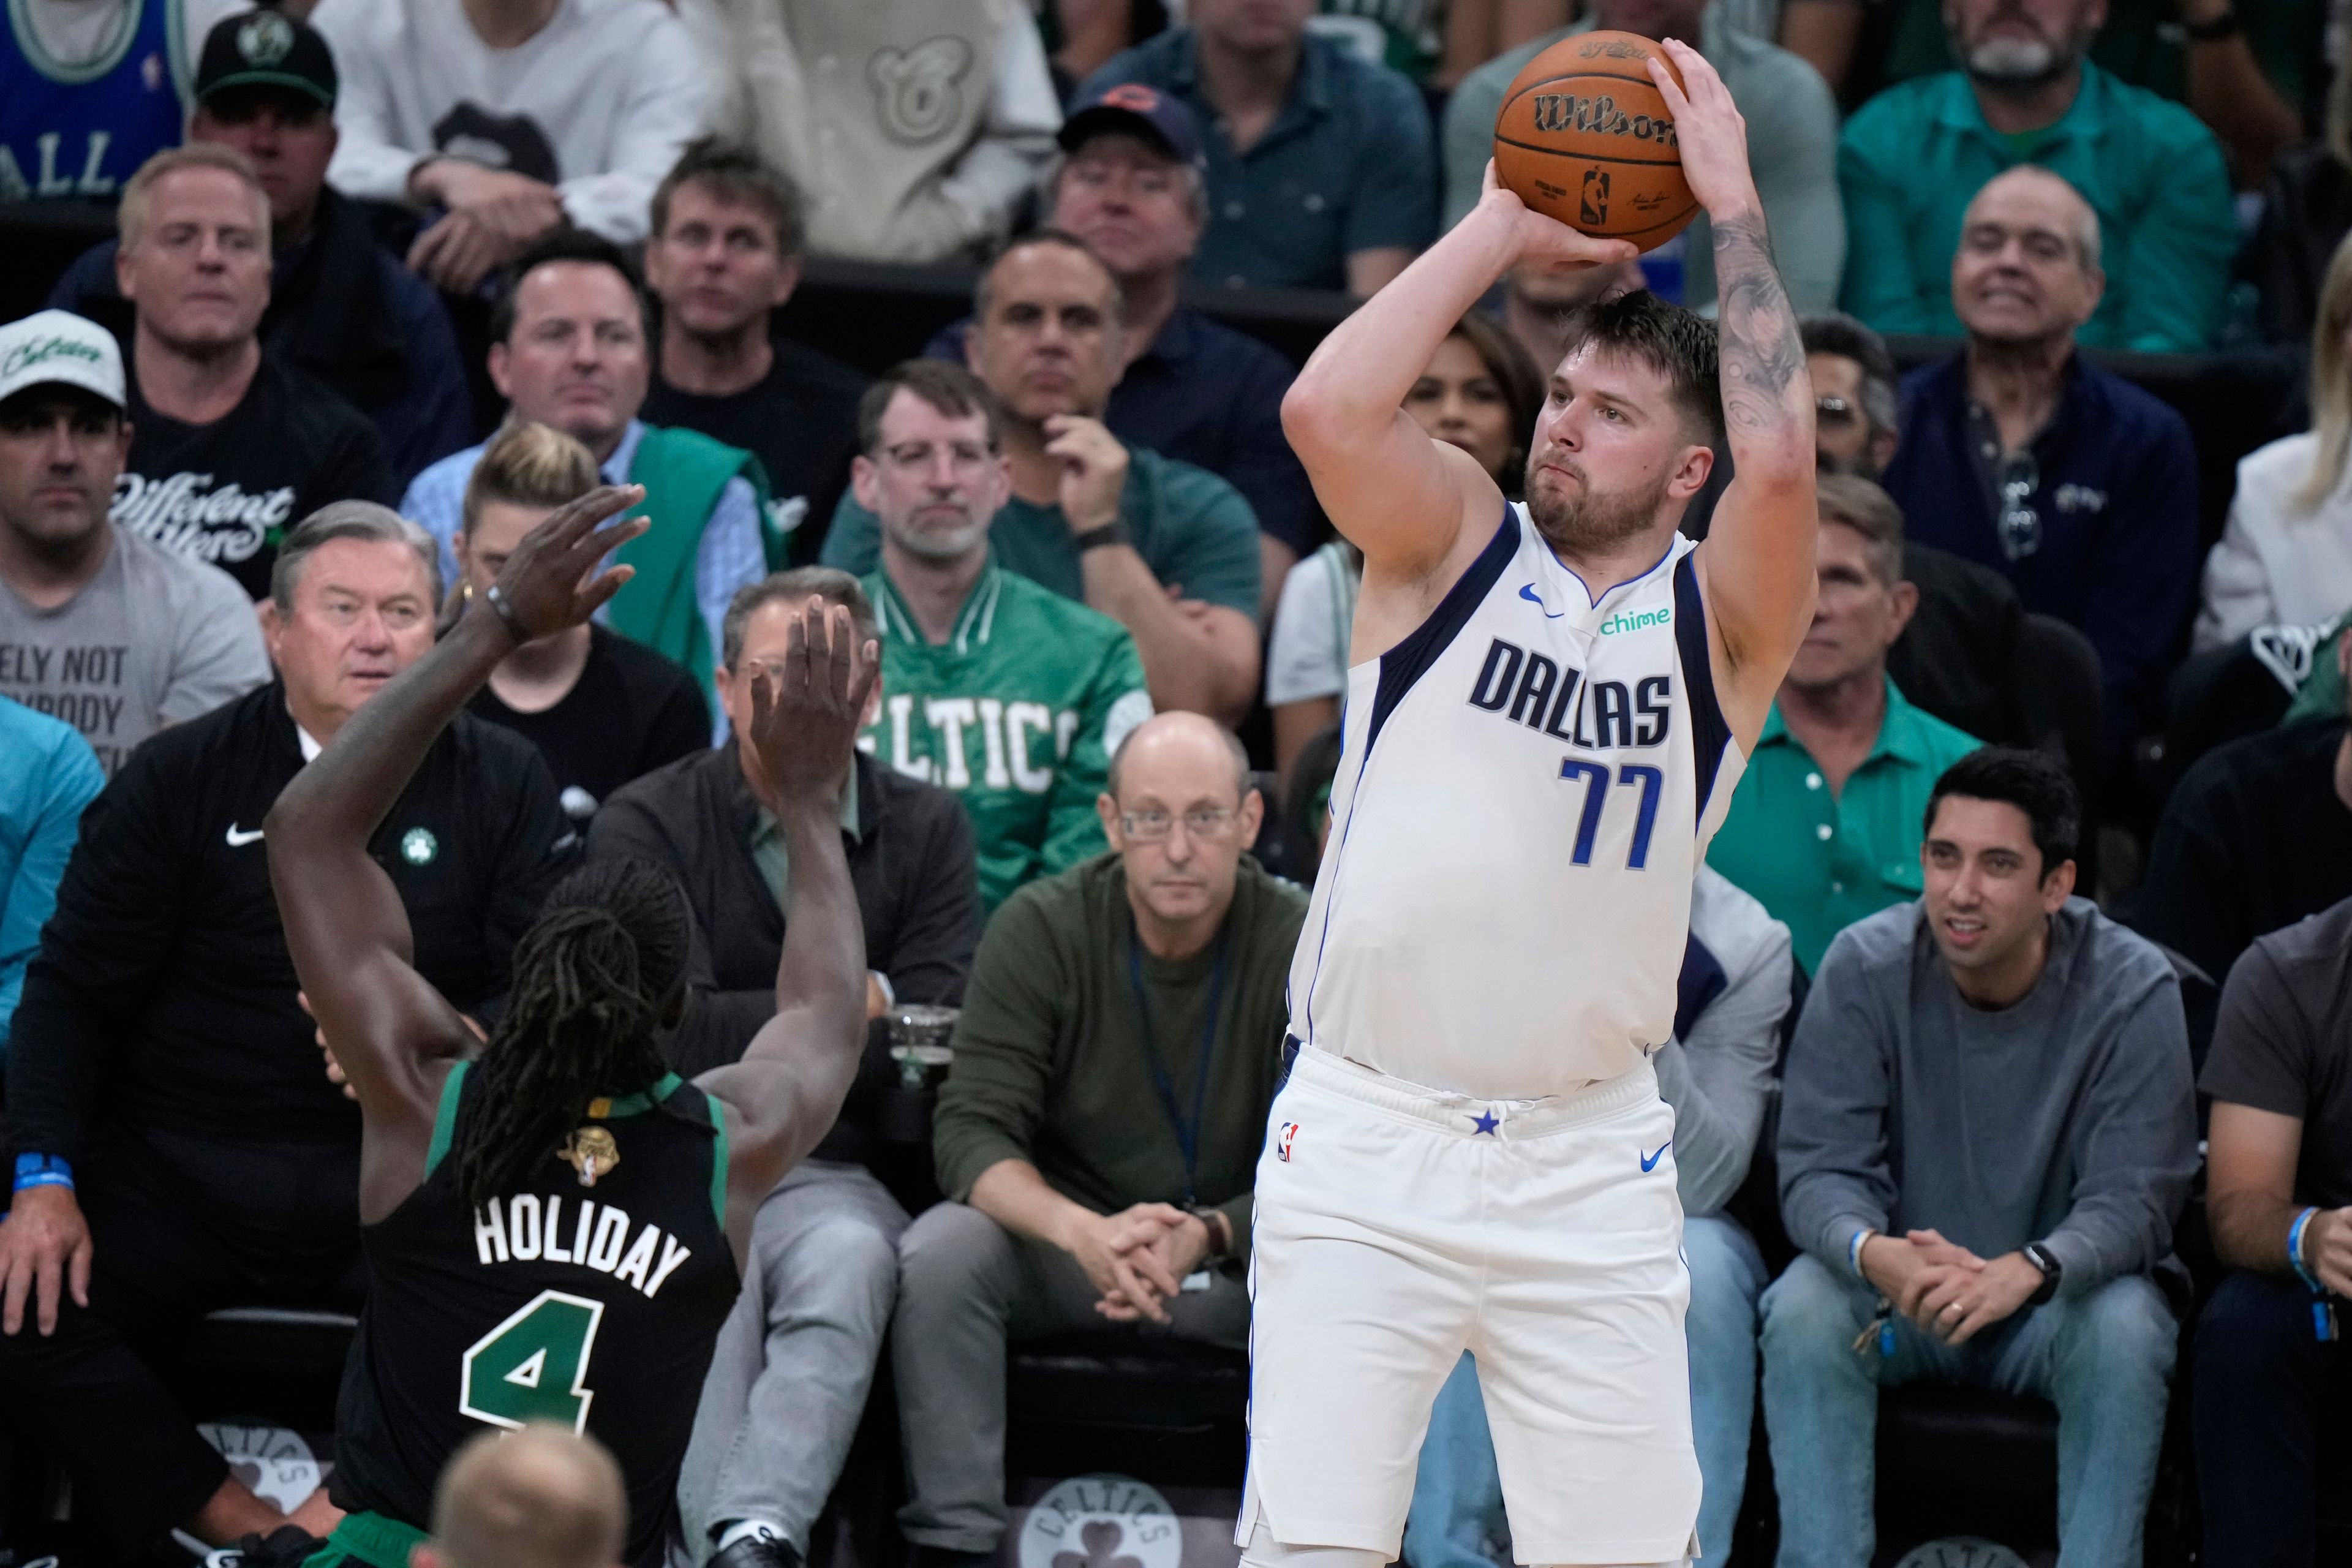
(1485, 1121)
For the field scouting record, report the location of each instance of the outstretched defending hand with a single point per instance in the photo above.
(1546, 244)
(806, 712)
(550, 582)
(1710, 131)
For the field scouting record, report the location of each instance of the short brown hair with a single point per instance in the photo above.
(802, 583)
(131, 212)
(734, 173)
(946, 386)
(538, 1498)
(983, 290)
(1862, 506)
(528, 465)
(1678, 344)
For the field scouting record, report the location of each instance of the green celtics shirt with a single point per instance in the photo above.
(1017, 712)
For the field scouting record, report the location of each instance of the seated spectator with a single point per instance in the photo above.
(916, 130)
(1081, 1192)
(540, 1498)
(340, 306)
(1538, 307)
(724, 257)
(568, 350)
(789, 1375)
(165, 1094)
(47, 774)
(1987, 1132)
(2285, 557)
(508, 118)
(1857, 400)
(1480, 393)
(2256, 836)
(601, 708)
(1717, 1073)
(88, 92)
(2279, 1201)
(174, 638)
(1824, 825)
(1321, 172)
(1134, 186)
(1166, 550)
(1007, 693)
(1913, 162)
(2021, 455)
(2306, 212)
(1792, 146)
(229, 443)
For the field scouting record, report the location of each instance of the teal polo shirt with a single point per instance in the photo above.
(1346, 165)
(1193, 529)
(1819, 863)
(1911, 159)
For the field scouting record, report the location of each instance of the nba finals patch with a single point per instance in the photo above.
(1284, 1137)
(591, 1151)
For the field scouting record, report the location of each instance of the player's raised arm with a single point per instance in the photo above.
(1757, 565)
(788, 1089)
(1398, 496)
(345, 926)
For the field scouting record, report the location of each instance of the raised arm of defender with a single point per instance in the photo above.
(1756, 568)
(1399, 497)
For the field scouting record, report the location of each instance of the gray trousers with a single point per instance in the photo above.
(794, 1360)
(966, 1288)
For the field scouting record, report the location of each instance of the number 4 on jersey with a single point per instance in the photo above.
(534, 1366)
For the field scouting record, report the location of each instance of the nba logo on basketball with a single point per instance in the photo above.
(1284, 1139)
(1595, 203)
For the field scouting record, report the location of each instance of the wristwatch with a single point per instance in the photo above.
(2044, 1259)
(1213, 1222)
(1112, 532)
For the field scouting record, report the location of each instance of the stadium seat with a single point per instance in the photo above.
(1163, 1410)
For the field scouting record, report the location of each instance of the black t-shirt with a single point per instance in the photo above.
(799, 421)
(2284, 1043)
(631, 711)
(226, 493)
(2254, 839)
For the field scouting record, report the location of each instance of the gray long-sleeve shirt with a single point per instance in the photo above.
(1718, 1077)
(2068, 1119)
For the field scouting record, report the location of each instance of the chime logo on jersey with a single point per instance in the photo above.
(528, 1228)
(1284, 1137)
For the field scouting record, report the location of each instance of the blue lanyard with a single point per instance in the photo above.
(1188, 1134)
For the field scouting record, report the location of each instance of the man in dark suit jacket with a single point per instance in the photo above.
(789, 1375)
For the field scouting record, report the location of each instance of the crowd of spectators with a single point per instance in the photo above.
(392, 280)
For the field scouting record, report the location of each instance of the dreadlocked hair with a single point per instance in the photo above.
(593, 978)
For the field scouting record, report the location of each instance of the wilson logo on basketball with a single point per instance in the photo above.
(1601, 117)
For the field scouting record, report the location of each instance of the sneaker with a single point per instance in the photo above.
(758, 1552)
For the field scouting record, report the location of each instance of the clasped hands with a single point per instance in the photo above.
(1943, 1286)
(1138, 1257)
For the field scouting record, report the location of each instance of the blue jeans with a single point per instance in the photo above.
(2104, 1358)
(1458, 1496)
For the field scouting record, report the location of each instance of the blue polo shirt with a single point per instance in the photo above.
(1208, 395)
(2103, 534)
(1348, 165)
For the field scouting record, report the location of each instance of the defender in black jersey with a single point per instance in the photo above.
(553, 1230)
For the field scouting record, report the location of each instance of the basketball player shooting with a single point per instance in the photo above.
(1548, 708)
(555, 1229)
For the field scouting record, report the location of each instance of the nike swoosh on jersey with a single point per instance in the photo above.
(1649, 1162)
(239, 841)
(1527, 592)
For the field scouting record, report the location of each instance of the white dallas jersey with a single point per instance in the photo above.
(1527, 787)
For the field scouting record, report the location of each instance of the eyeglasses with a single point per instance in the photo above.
(1207, 822)
(1832, 410)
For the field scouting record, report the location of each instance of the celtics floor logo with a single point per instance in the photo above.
(1101, 1522)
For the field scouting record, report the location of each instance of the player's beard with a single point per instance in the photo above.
(1593, 522)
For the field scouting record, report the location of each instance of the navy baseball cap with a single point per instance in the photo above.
(267, 49)
(1133, 108)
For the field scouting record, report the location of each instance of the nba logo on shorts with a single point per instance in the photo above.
(1283, 1140)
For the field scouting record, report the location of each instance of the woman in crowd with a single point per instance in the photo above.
(2285, 558)
(1480, 393)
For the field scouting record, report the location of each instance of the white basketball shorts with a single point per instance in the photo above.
(1397, 1226)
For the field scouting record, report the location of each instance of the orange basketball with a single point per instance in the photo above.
(1585, 137)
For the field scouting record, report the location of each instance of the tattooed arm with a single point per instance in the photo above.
(1756, 568)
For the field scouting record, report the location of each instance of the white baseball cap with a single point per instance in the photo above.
(59, 347)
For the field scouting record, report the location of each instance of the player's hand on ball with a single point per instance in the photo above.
(1712, 135)
(1546, 244)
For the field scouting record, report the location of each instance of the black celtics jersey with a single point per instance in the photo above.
(590, 1295)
